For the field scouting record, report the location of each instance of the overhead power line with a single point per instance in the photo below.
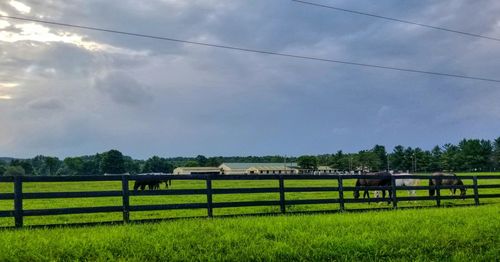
(254, 50)
(397, 20)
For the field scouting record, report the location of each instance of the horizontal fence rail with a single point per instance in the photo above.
(18, 213)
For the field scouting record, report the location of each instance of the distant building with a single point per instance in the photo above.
(258, 168)
(320, 170)
(197, 170)
(253, 169)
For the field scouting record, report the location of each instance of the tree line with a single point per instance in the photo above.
(467, 155)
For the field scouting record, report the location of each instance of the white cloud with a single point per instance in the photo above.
(4, 24)
(20, 7)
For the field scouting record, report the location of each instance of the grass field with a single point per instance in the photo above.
(144, 200)
(434, 234)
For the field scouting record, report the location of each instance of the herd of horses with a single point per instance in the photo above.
(383, 179)
(152, 183)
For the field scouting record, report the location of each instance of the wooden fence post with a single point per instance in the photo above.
(18, 201)
(476, 191)
(209, 196)
(125, 199)
(394, 196)
(282, 194)
(341, 194)
(438, 195)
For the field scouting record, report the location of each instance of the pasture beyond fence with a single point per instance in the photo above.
(18, 213)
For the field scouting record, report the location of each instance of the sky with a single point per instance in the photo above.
(67, 92)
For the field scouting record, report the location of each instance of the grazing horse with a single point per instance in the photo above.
(150, 182)
(404, 182)
(442, 180)
(366, 183)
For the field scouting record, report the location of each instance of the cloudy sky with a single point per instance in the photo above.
(66, 91)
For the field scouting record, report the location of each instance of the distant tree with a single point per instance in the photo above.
(191, 163)
(74, 165)
(14, 171)
(202, 160)
(474, 154)
(496, 154)
(25, 164)
(338, 161)
(3, 166)
(214, 161)
(157, 164)
(435, 161)
(368, 160)
(397, 157)
(381, 155)
(52, 164)
(449, 158)
(308, 162)
(132, 166)
(112, 162)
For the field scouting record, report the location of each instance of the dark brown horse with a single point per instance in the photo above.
(447, 179)
(366, 183)
(151, 182)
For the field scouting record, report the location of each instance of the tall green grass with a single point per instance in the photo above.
(444, 234)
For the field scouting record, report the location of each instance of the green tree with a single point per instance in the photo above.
(112, 163)
(449, 157)
(435, 161)
(191, 163)
(214, 161)
(340, 161)
(474, 154)
(496, 153)
(25, 164)
(74, 165)
(3, 166)
(157, 164)
(398, 158)
(202, 160)
(132, 166)
(308, 162)
(14, 171)
(381, 155)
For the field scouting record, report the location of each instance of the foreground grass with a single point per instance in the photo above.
(449, 234)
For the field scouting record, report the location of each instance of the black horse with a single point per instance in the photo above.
(151, 182)
(366, 183)
(443, 179)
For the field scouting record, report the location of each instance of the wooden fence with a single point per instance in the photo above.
(125, 193)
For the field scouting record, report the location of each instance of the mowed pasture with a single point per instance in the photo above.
(31, 187)
(433, 234)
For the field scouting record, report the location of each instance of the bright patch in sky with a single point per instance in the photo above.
(40, 33)
(8, 85)
(5, 97)
(22, 8)
(4, 24)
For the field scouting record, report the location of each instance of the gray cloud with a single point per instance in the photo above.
(46, 104)
(123, 89)
(151, 97)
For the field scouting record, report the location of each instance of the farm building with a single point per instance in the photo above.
(196, 170)
(252, 168)
(258, 168)
(320, 170)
